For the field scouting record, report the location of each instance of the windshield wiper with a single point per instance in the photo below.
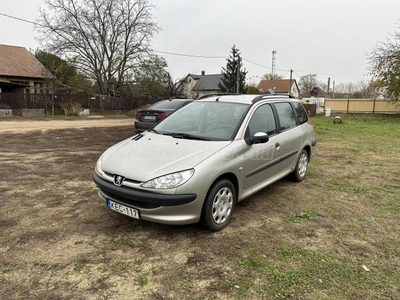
(181, 135)
(153, 130)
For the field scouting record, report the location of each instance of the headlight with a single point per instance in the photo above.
(98, 166)
(169, 181)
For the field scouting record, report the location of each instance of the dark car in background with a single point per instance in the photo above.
(147, 118)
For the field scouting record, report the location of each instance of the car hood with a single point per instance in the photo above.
(150, 155)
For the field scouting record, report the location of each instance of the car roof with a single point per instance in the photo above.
(245, 98)
(165, 104)
(175, 100)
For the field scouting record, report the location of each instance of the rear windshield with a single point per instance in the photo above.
(167, 105)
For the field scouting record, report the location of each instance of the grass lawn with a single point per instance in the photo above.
(343, 242)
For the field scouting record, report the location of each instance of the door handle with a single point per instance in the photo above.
(277, 145)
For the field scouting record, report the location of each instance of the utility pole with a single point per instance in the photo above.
(329, 83)
(290, 82)
(273, 62)
(238, 76)
(333, 92)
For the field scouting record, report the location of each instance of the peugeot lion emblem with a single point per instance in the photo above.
(118, 179)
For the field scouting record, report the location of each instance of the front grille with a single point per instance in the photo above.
(130, 202)
(126, 179)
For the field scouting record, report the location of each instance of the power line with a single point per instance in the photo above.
(324, 74)
(189, 55)
(296, 74)
(257, 64)
(20, 19)
(200, 56)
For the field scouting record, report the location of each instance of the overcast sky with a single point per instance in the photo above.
(328, 38)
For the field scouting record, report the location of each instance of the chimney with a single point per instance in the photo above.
(203, 72)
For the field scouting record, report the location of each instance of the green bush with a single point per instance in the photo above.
(71, 108)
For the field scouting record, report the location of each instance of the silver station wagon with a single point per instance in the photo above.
(195, 165)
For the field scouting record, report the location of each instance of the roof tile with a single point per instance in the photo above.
(281, 85)
(208, 83)
(19, 62)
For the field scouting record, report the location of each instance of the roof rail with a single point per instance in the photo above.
(264, 96)
(216, 94)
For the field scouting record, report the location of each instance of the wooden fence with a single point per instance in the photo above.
(379, 106)
(49, 101)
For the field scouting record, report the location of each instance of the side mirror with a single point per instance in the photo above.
(259, 138)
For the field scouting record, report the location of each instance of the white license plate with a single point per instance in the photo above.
(149, 117)
(122, 209)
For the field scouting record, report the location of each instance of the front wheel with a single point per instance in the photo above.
(301, 167)
(219, 205)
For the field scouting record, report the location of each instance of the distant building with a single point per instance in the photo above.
(317, 93)
(284, 86)
(316, 96)
(198, 85)
(21, 72)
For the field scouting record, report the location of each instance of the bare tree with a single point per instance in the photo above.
(350, 88)
(384, 62)
(106, 38)
(270, 76)
(307, 83)
(346, 88)
(368, 88)
(323, 85)
(175, 87)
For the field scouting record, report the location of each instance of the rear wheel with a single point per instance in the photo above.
(301, 167)
(219, 205)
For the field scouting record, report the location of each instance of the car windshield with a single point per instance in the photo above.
(167, 105)
(203, 120)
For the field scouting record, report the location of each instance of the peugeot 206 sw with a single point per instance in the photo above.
(198, 163)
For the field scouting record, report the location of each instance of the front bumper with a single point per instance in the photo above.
(155, 207)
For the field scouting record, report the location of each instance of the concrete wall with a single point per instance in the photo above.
(22, 112)
(33, 112)
(5, 112)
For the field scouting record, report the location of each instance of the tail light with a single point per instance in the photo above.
(162, 115)
(137, 116)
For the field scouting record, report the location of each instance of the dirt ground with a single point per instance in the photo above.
(42, 124)
(59, 241)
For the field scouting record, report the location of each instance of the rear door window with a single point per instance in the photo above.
(286, 115)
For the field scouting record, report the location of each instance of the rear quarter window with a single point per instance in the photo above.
(301, 112)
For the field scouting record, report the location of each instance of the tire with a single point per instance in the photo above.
(300, 171)
(219, 205)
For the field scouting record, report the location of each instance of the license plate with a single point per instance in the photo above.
(152, 118)
(122, 209)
